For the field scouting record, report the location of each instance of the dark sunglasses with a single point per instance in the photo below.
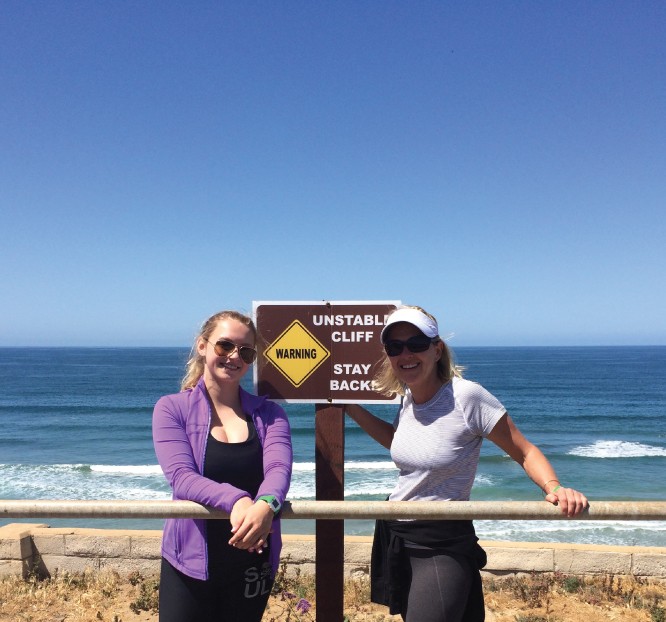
(224, 347)
(417, 343)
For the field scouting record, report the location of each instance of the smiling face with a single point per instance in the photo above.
(226, 368)
(418, 370)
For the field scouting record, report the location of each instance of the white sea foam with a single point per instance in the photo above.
(141, 494)
(484, 480)
(618, 533)
(617, 449)
(349, 466)
(141, 469)
(81, 481)
(303, 491)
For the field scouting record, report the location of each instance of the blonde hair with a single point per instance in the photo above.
(387, 383)
(195, 365)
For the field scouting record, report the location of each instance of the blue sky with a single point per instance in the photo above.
(502, 164)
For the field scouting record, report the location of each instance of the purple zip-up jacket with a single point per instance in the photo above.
(181, 423)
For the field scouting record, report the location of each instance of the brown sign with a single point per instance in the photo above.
(319, 352)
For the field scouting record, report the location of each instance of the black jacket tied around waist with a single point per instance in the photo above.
(388, 574)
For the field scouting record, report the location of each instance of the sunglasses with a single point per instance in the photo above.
(224, 347)
(417, 343)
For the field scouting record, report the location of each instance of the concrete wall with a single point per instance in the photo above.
(28, 546)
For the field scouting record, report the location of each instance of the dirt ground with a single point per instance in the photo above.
(541, 598)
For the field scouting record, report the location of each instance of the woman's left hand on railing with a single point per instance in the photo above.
(250, 524)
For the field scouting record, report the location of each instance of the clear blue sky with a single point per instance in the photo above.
(502, 164)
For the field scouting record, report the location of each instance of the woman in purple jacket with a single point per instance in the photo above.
(230, 450)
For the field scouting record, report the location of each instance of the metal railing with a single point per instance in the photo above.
(338, 510)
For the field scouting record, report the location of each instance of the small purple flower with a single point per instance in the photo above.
(289, 595)
(303, 606)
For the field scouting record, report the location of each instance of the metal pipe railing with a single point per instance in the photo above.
(336, 510)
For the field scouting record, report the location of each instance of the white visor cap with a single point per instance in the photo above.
(417, 318)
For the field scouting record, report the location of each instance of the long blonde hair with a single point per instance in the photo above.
(387, 383)
(195, 365)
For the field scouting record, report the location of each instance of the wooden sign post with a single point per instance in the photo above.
(329, 464)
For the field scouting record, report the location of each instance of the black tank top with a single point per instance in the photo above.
(238, 464)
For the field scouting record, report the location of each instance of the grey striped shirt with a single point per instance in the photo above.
(436, 445)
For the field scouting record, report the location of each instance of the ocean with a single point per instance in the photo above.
(77, 425)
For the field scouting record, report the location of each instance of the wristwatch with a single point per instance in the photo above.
(272, 501)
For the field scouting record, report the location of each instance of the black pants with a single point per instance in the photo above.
(428, 571)
(236, 591)
(439, 587)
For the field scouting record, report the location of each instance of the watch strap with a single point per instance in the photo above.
(272, 501)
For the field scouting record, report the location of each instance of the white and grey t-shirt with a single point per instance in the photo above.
(436, 445)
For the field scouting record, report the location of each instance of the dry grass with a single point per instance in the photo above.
(567, 598)
(94, 597)
(84, 597)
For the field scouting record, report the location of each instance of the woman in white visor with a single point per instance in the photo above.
(428, 570)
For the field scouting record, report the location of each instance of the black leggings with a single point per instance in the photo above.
(439, 587)
(237, 592)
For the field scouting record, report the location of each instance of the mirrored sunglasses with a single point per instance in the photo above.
(224, 347)
(417, 343)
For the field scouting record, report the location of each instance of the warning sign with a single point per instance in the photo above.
(320, 352)
(297, 353)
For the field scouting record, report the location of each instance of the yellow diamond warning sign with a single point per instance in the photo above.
(297, 353)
